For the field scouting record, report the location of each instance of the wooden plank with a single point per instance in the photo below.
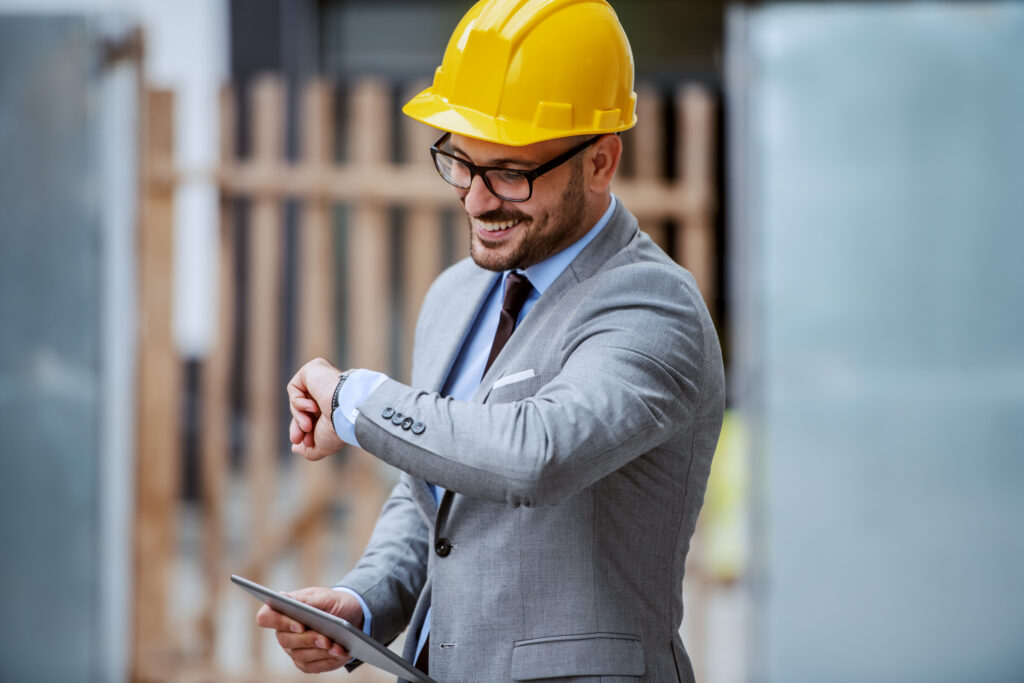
(159, 374)
(648, 138)
(369, 266)
(368, 274)
(657, 200)
(265, 250)
(697, 597)
(407, 185)
(316, 329)
(696, 251)
(696, 111)
(372, 182)
(647, 150)
(461, 236)
(216, 402)
(423, 238)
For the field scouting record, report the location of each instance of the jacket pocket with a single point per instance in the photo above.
(515, 391)
(586, 654)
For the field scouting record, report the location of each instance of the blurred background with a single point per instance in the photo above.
(200, 195)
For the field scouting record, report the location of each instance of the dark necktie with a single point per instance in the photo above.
(517, 289)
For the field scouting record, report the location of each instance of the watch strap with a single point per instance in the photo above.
(337, 392)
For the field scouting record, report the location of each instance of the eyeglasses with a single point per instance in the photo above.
(510, 184)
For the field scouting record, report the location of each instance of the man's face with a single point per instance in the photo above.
(506, 235)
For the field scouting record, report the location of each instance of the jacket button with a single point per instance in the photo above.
(419, 428)
(397, 419)
(407, 422)
(388, 412)
(442, 547)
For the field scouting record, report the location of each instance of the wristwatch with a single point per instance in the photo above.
(337, 390)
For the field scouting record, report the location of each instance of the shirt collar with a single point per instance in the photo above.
(543, 274)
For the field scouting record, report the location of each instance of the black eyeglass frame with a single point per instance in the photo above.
(481, 171)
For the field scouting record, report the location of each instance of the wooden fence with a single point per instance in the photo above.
(357, 285)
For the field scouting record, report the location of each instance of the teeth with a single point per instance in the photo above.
(494, 227)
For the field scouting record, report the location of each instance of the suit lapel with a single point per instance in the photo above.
(424, 498)
(621, 229)
(447, 337)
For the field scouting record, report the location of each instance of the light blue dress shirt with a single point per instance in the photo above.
(468, 369)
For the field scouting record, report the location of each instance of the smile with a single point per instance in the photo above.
(497, 226)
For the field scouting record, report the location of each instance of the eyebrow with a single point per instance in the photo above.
(493, 162)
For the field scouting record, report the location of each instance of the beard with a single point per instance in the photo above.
(541, 236)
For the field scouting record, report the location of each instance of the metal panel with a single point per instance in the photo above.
(56, 265)
(879, 326)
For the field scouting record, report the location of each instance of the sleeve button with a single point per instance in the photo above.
(397, 419)
(406, 423)
(419, 428)
(387, 413)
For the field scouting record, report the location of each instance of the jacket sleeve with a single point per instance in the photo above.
(392, 571)
(639, 363)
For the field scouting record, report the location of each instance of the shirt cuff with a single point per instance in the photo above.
(357, 388)
(367, 617)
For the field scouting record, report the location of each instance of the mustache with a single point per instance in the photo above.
(502, 215)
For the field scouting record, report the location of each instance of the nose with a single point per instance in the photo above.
(479, 199)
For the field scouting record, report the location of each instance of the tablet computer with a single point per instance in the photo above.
(358, 644)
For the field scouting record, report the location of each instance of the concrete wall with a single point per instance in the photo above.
(68, 184)
(879, 335)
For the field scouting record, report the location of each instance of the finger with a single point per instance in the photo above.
(297, 416)
(302, 420)
(310, 453)
(308, 655)
(307, 405)
(316, 666)
(321, 648)
(302, 417)
(296, 433)
(303, 405)
(272, 619)
(309, 640)
(296, 387)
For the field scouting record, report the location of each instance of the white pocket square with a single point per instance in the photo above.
(513, 378)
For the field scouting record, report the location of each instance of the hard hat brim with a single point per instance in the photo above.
(434, 111)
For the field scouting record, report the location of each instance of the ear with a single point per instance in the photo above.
(602, 162)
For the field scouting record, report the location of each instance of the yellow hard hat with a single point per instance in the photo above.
(520, 71)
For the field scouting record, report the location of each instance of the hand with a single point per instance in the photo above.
(310, 651)
(310, 393)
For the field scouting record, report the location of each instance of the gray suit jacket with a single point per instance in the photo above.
(574, 475)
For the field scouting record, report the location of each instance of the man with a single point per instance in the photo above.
(551, 477)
